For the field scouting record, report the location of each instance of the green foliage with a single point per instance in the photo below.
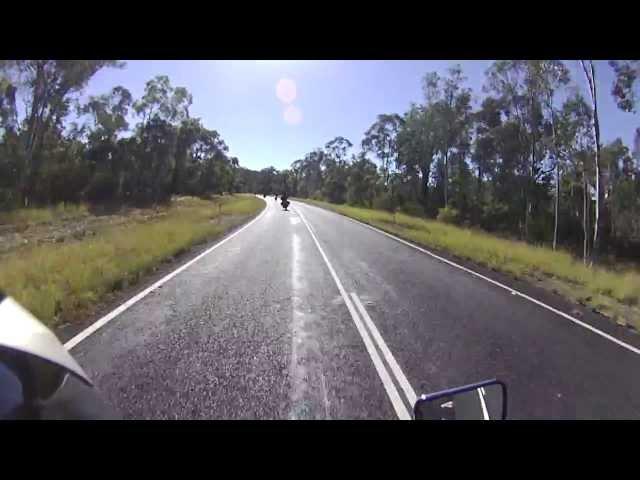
(624, 88)
(308, 173)
(495, 216)
(361, 182)
(102, 188)
(449, 215)
(496, 165)
(541, 228)
(386, 201)
(334, 186)
(98, 158)
(412, 208)
(380, 139)
(522, 163)
(109, 113)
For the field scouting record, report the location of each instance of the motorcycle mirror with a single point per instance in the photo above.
(479, 401)
(34, 353)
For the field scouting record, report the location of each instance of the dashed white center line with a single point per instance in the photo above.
(485, 413)
(392, 392)
(391, 361)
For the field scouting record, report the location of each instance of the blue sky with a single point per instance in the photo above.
(330, 98)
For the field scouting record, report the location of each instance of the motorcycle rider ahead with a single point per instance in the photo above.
(285, 202)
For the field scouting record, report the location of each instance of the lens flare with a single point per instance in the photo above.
(292, 115)
(286, 90)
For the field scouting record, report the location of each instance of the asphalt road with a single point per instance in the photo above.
(308, 315)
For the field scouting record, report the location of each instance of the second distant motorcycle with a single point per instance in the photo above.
(284, 202)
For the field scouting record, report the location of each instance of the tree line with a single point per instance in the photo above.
(97, 156)
(527, 161)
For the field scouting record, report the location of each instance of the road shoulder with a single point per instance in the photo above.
(114, 299)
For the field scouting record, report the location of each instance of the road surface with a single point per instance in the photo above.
(308, 315)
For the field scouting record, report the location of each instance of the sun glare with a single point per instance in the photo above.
(292, 115)
(286, 90)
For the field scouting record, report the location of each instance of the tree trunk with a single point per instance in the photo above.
(425, 170)
(556, 206)
(32, 128)
(526, 215)
(38, 94)
(585, 216)
(479, 201)
(446, 178)
(385, 169)
(527, 203)
(590, 74)
(554, 150)
(612, 216)
(531, 179)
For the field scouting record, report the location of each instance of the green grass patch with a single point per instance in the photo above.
(59, 282)
(616, 294)
(33, 216)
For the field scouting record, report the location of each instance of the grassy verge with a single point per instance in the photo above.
(615, 294)
(60, 282)
(25, 217)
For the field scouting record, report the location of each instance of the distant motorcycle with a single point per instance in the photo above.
(284, 202)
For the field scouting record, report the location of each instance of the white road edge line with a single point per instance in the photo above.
(496, 283)
(391, 361)
(485, 413)
(114, 313)
(390, 388)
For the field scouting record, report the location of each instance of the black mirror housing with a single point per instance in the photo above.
(485, 400)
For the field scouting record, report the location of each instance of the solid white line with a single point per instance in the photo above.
(392, 391)
(498, 284)
(114, 313)
(391, 361)
(485, 414)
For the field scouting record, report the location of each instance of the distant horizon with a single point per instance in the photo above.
(271, 113)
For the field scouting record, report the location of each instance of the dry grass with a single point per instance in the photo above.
(59, 282)
(616, 294)
(35, 216)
